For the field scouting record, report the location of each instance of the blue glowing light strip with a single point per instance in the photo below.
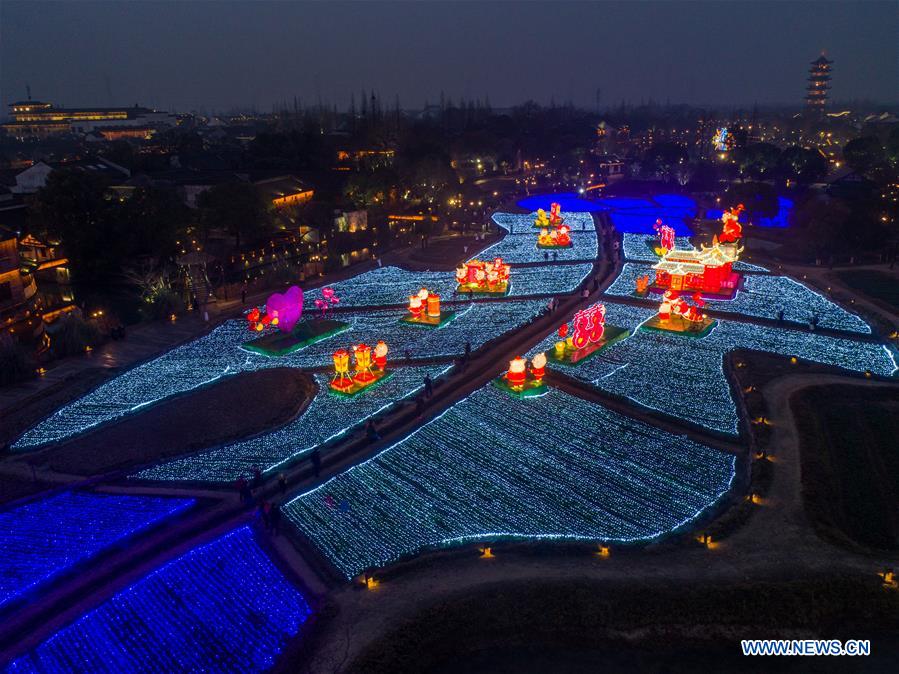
(222, 607)
(41, 539)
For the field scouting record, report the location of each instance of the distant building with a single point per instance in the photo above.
(285, 191)
(35, 177)
(37, 119)
(818, 85)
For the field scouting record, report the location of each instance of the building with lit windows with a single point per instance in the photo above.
(37, 119)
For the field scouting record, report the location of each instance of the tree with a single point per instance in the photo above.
(821, 224)
(803, 165)
(758, 160)
(864, 154)
(236, 208)
(663, 158)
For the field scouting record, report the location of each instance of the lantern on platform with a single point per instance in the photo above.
(423, 294)
(341, 365)
(381, 355)
(538, 367)
(415, 305)
(434, 305)
(362, 354)
(560, 350)
(516, 374)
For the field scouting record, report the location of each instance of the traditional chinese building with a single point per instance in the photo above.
(708, 270)
(818, 85)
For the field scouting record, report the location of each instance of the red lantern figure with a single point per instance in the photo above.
(555, 214)
(538, 367)
(563, 331)
(414, 305)
(381, 355)
(517, 371)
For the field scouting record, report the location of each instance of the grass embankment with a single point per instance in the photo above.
(850, 462)
(232, 408)
(580, 626)
(877, 285)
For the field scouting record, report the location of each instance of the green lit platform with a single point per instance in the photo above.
(303, 334)
(355, 388)
(551, 247)
(611, 334)
(680, 326)
(497, 290)
(529, 390)
(429, 321)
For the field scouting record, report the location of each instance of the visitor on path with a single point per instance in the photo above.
(264, 509)
(205, 316)
(780, 315)
(585, 293)
(465, 249)
(243, 295)
(241, 486)
(429, 386)
(371, 431)
(595, 284)
(379, 263)
(282, 482)
(316, 462)
(257, 477)
(546, 256)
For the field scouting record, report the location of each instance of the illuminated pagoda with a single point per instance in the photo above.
(818, 85)
(708, 270)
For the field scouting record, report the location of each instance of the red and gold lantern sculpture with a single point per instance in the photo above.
(538, 367)
(517, 372)
(362, 355)
(342, 380)
(415, 306)
(434, 305)
(381, 355)
(483, 277)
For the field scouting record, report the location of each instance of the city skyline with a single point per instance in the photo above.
(258, 55)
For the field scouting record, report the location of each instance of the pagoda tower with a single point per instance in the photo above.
(818, 85)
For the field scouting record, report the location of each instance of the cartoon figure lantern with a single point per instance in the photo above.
(731, 229)
(483, 276)
(555, 214)
(516, 374)
(666, 235)
(415, 306)
(538, 367)
(381, 355)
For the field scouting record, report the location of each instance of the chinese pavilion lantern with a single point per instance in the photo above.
(381, 355)
(341, 364)
(538, 366)
(516, 373)
(362, 353)
(415, 305)
(434, 305)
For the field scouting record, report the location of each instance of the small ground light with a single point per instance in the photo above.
(889, 578)
(604, 551)
(486, 553)
(370, 582)
(793, 360)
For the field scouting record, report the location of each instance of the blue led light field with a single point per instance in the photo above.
(523, 223)
(684, 377)
(392, 286)
(519, 248)
(492, 467)
(222, 607)
(41, 539)
(762, 295)
(219, 354)
(326, 417)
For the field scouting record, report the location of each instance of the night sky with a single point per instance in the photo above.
(226, 55)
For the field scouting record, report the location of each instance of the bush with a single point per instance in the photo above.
(16, 363)
(71, 335)
(165, 303)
